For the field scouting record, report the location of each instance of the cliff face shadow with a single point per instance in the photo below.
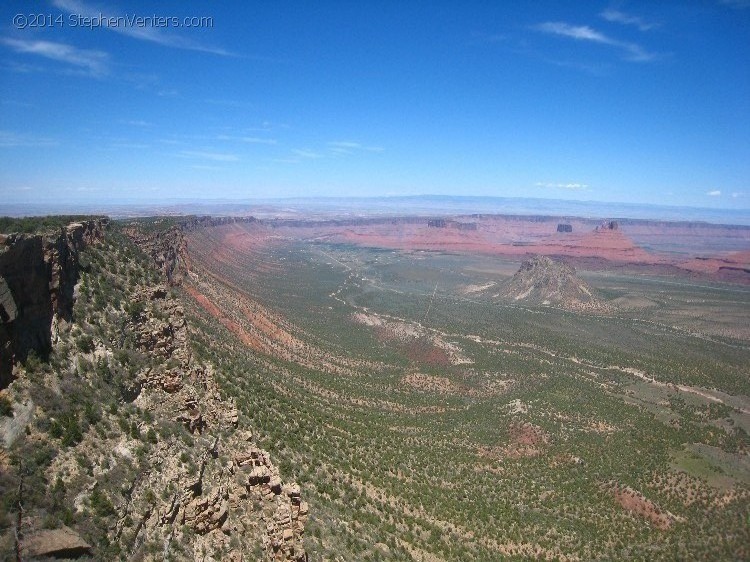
(38, 274)
(27, 305)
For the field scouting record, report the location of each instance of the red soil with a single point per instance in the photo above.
(227, 322)
(637, 504)
(423, 352)
(494, 235)
(609, 245)
(678, 245)
(243, 250)
(526, 440)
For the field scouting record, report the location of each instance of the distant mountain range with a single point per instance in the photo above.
(393, 205)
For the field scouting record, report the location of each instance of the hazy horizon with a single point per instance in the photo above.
(373, 206)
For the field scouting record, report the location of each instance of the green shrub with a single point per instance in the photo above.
(85, 343)
(6, 407)
(100, 504)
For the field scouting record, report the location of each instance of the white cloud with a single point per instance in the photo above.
(92, 62)
(347, 147)
(571, 186)
(10, 139)
(333, 149)
(205, 167)
(267, 126)
(583, 32)
(131, 145)
(137, 123)
(145, 33)
(634, 52)
(257, 140)
(337, 150)
(617, 16)
(714, 193)
(736, 194)
(214, 156)
(344, 144)
(23, 68)
(251, 140)
(305, 153)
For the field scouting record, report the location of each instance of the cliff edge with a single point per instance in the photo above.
(115, 441)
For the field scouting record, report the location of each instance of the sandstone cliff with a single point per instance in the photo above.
(168, 246)
(38, 274)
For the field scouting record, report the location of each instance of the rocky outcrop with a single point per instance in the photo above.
(542, 280)
(54, 543)
(233, 498)
(285, 522)
(168, 246)
(164, 335)
(564, 227)
(238, 501)
(608, 225)
(39, 273)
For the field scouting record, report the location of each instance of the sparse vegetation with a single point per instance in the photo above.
(442, 467)
(6, 407)
(38, 224)
(481, 430)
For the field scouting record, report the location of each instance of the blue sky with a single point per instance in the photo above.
(606, 101)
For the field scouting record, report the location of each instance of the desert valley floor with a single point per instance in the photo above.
(407, 388)
(429, 414)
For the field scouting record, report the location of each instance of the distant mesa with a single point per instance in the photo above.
(733, 267)
(564, 228)
(443, 223)
(544, 281)
(608, 226)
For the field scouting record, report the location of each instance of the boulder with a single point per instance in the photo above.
(58, 543)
